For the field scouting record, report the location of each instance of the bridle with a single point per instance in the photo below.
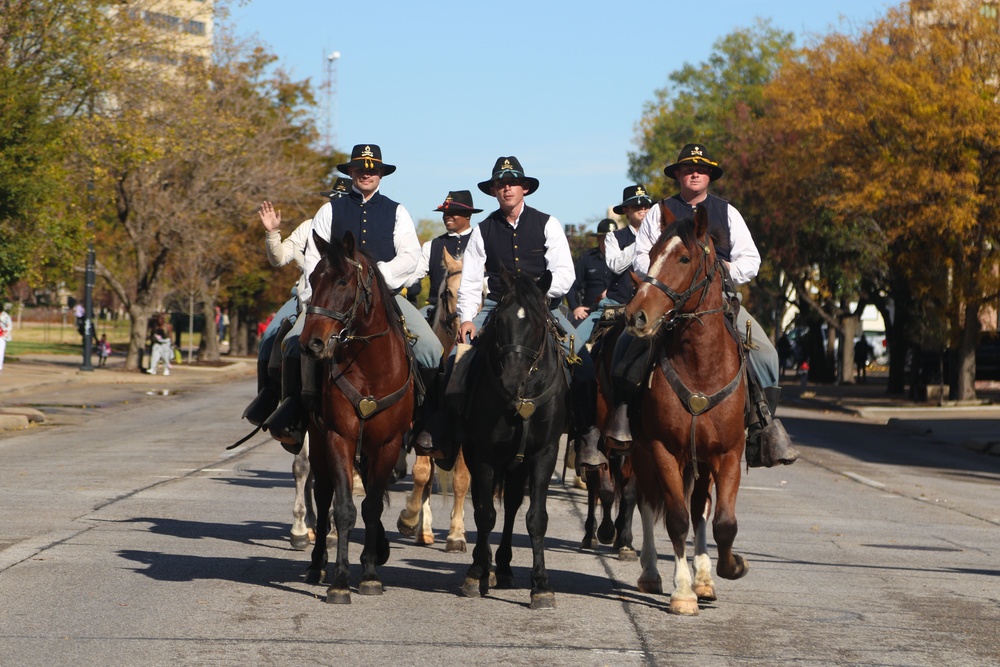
(362, 295)
(448, 317)
(680, 299)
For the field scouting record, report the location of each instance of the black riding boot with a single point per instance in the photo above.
(298, 387)
(627, 376)
(433, 424)
(583, 415)
(768, 443)
(268, 384)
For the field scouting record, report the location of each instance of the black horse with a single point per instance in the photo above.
(517, 410)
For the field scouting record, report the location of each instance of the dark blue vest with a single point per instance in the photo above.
(435, 268)
(372, 223)
(718, 220)
(520, 250)
(622, 288)
(592, 277)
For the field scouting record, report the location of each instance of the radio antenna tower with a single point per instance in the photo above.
(330, 85)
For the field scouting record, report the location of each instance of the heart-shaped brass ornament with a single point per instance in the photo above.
(366, 407)
(698, 403)
(525, 409)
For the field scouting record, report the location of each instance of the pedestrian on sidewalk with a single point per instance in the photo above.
(6, 325)
(103, 351)
(161, 350)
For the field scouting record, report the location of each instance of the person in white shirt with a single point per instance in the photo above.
(694, 170)
(6, 326)
(384, 229)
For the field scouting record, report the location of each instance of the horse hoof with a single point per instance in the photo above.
(606, 535)
(455, 546)
(740, 567)
(300, 542)
(493, 579)
(405, 530)
(314, 576)
(684, 607)
(338, 596)
(627, 555)
(588, 544)
(543, 600)
(312, 535)
(652, 586)
(470, 588)
(705, 592)
(372, 587)
(502, 581)
(424, 539)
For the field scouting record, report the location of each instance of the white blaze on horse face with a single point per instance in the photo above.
(655, 269)
(520, 313)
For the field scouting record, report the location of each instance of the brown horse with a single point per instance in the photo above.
(615, 481)
(690, 433)
(365, 406)
(416, 519)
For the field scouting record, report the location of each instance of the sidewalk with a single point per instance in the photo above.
(28, 373)
(975, 426)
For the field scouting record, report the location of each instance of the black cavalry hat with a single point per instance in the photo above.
(341, 187)
(605, 226)
(509, 167)
(460, 202)
(695, 155)
(633, 195)
(366, 156)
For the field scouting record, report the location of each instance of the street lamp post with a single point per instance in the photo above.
(88, 310)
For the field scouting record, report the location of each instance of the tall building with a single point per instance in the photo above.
(185, 25)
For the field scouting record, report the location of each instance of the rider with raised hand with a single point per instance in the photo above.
(456, 212)
(384, 229)
(694, 170)
(279, 253)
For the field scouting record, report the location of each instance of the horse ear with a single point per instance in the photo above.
(700, 221)
(348, 242)
(666, 216)
(508, 279)
(636, 280)
(321, 245)
(544, 282)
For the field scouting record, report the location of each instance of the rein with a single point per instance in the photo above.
(363, 294)
(671, 317)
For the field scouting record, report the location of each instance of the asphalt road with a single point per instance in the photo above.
(129, 536)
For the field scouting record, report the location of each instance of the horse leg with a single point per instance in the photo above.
(323, 491)
(301, 471)
(701, 509)
(542, 595)
(683, 599)
(460, 488)
(606, 492)
(589, 538)
(626, 508)
(425, 534)
(376, 550)
(731, 565)
(513, 496)
(409, 517)
(477, 578)
(345, 514)
(649, 579)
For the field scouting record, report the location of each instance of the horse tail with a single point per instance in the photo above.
(499, 478)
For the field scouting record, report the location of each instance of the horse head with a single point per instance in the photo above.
(682, 266)
(518, 329)
(446, 314)
(342, 285)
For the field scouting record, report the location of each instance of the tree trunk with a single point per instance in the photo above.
(850, 327)
(965, 388)
(239, 339)
(138, 333)
(209, 348)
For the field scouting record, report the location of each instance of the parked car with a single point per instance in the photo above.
(988, 357)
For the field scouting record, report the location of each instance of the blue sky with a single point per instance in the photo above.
(447, 87)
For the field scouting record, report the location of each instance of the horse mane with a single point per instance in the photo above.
(523, 291)
(338, 259)
(684, 230)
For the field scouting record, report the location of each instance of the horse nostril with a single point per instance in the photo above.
(639, 320)
(316, 345)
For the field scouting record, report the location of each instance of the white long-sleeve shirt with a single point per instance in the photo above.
(618, 259)
(558, 260)
(292, 249)
(395, 272)
(744, 258)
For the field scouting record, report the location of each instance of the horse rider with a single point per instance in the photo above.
(619, 246)
(280, 253)
(518, 239)
(694, 170)
(456, 212)
(384, 229)
(593, 277)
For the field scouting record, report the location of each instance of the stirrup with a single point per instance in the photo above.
(285, 425)
(769, 446)
(262, 406)
(590, 457)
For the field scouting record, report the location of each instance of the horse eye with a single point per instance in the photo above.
(341, 283)
(685, 260)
